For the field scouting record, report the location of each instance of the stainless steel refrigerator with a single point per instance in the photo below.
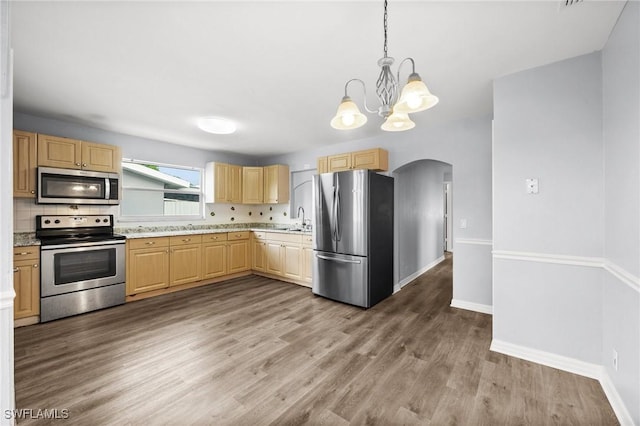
(353, 236)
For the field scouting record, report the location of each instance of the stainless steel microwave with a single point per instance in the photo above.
(66, 186)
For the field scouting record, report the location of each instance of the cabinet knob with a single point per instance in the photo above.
(78, 164)
(84, 164)
(33, 191)
(186, 240)
(35, 265)
(24, 253)
(16, 269)
(150, 243)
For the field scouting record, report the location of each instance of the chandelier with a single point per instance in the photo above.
(414, 97)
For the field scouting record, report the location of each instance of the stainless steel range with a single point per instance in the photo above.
(82, 265)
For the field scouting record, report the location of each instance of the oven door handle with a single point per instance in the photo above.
(73, 246)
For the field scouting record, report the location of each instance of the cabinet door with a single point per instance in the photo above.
(59, 152)
(374, 159)
(239, 260)
(307, 264)
(292, 261)
(100, 157)
(234, 184)
(339, 162)
(220, 171)
(276, 184)
(322, 165)
(214, 260)
(26, 284)
(185, 264)
(252, 185)
(25, 162)
(258, 256)
(273, 257)
(147, 269)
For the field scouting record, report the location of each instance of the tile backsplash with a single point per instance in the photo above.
(25, 211)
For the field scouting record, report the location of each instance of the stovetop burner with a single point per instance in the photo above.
(60, 229)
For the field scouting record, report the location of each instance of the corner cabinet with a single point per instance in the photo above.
(26, 281)
(373, 159)
(25, 163)
(69, 153)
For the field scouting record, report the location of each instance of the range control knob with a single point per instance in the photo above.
(105, 220)
(56, 221)
(97, 220)
(47, 221)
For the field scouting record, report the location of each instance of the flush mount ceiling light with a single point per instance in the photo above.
(216, 125)
(414, 97)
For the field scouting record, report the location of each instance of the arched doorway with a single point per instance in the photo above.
(420, 225)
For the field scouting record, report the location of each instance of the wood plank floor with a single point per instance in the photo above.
(254, 351)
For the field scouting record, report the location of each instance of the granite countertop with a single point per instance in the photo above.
(160, 231)
(23, 239)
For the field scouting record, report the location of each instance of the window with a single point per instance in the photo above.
(160, 191)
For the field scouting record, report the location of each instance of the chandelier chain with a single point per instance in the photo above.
(385, 28)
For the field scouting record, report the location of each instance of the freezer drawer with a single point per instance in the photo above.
(341, 277)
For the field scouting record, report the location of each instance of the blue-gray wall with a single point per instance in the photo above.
(567, 260)
(621, 133)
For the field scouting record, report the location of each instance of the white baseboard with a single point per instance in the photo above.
(415, 275)
(622, 413)
(470, 306)
(571, 365)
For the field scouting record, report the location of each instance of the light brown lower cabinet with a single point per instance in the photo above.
(26, 281)
(214, 256)
(147, 264)
(185, 259)
(284, 255)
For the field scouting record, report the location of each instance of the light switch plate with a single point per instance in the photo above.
(532, 186)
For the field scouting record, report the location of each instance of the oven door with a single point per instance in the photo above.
(66, 269)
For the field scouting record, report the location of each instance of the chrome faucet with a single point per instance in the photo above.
(300, 208)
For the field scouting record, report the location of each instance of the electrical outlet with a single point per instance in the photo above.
(614, 360)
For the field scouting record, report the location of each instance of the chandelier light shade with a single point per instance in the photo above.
(348, 116)
(415, 97)
(398, 122)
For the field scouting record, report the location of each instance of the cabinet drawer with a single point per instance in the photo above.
(259, 235)
(181, 240)
(307, 240)
(241, 235)
(214, 238)
(139, 243)
(287, 238)
(26, 253)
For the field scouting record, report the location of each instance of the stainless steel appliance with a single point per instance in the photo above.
(353, 237)
(82, 265)
(66, 186)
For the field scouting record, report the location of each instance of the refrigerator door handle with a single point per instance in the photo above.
(338, 212)
(332, 219)
(335, 259)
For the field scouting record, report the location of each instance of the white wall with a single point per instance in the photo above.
(466, 145)
(621, 134)
(419, 212)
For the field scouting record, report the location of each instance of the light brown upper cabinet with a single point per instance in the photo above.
(25, 163)
(252, 185)
(373, 159)
(276, 184)
(69, 153)
(223, 183)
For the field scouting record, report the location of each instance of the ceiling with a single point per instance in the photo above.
(278, 69)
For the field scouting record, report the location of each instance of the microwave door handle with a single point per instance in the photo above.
(107, 189)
